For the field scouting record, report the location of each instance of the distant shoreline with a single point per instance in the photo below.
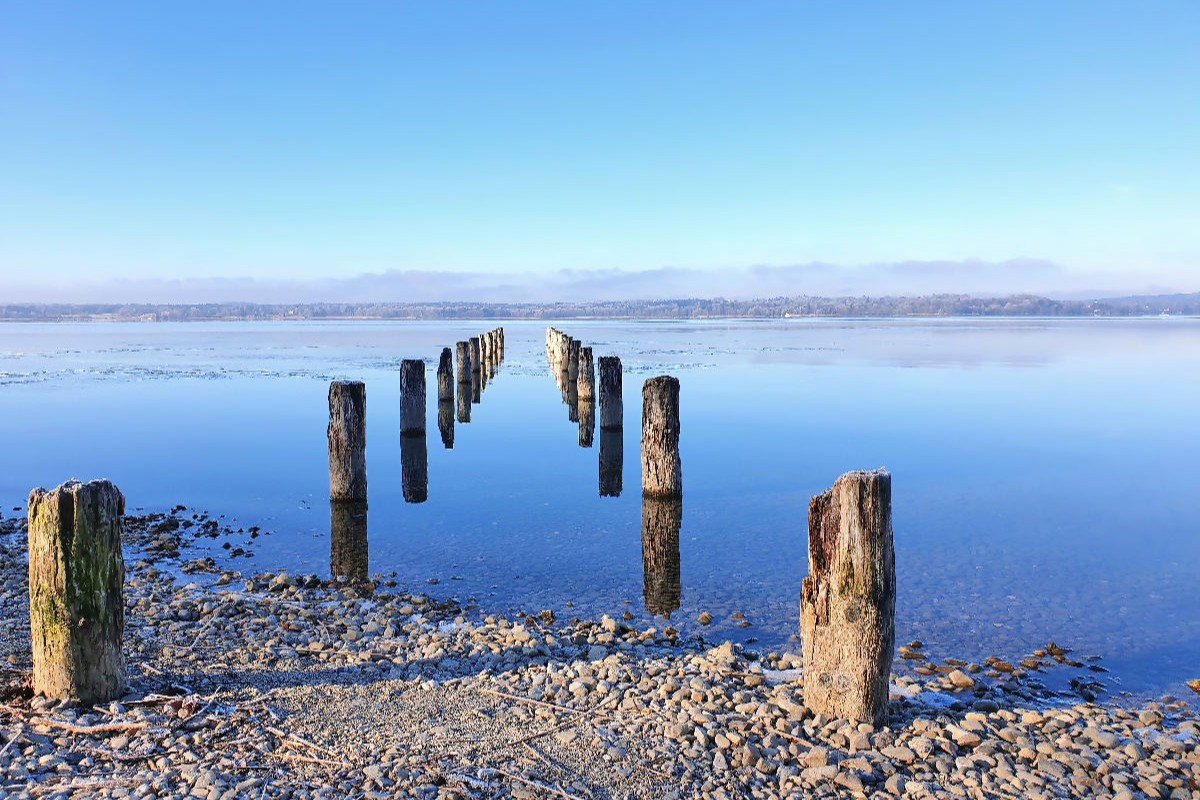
(800, 306)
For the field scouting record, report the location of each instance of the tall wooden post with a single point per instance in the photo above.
(412, 397)
(612, 406)
(848, 600)
(587, 375)
(462, 363)
(476, 355)
(76, 574)
(445, 376)
(347, 434)
(573, 359)
(662, 474)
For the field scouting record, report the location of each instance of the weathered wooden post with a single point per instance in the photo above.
(560, 350)
(587, 375)
(661, 519)
(476, 355)
(412, 397)
(612, 406)
(446, 422)
(612, 461)
(347, 435)
(76, 573)
(348, 540)
(662, 474)
(462, 363)
(485, 351)
(573, 359)
(414, 468)
(587, 422)
(445, 377)
(848, 600)
(500, 338)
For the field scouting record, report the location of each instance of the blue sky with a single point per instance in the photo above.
(197, 150)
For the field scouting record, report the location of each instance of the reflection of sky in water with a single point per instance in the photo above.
(1042, 469)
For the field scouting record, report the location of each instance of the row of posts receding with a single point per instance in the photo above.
(477, 361)
(847, 601)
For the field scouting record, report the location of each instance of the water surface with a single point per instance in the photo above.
(1042, 469)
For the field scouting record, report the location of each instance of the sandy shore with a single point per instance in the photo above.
(288, 686)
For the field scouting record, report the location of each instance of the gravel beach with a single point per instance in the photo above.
(288, 686)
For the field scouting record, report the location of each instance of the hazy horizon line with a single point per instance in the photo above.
(971, 277)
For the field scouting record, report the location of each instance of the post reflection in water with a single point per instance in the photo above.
(612, 461)
(476, 386)
(661, 519)
(560, 377)
(587, 422)
(572, 401)
(414, 468)
(463, 402)
(348, 540)
(446, 423)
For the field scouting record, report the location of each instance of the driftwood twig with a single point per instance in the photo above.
(291, 737)
(545, 787)
(89, 730)
(12, 740)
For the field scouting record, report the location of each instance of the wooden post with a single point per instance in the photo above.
(445, 376)
(462, 363)
(562, 349)
(662, 474)
(476, 363)
(661, 519)
(500, 338)
(587, 375)
(348, 540)
(485, 351)
(612, 461)
(446, 422)
(414, 468)
(848, 600)
(412, 397)
(347, 435)
(587, 422)
(573, 359)
(76, 573)
(612, 406)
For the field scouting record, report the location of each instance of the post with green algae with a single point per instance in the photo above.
(848, 600)
(76, 574)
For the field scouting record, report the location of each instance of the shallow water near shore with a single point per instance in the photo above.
(1042, 469)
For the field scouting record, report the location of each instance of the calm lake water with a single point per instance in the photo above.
(1044, 471)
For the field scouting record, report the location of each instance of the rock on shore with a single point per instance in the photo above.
(292, 687)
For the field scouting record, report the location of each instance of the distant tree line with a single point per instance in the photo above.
(941, 305)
